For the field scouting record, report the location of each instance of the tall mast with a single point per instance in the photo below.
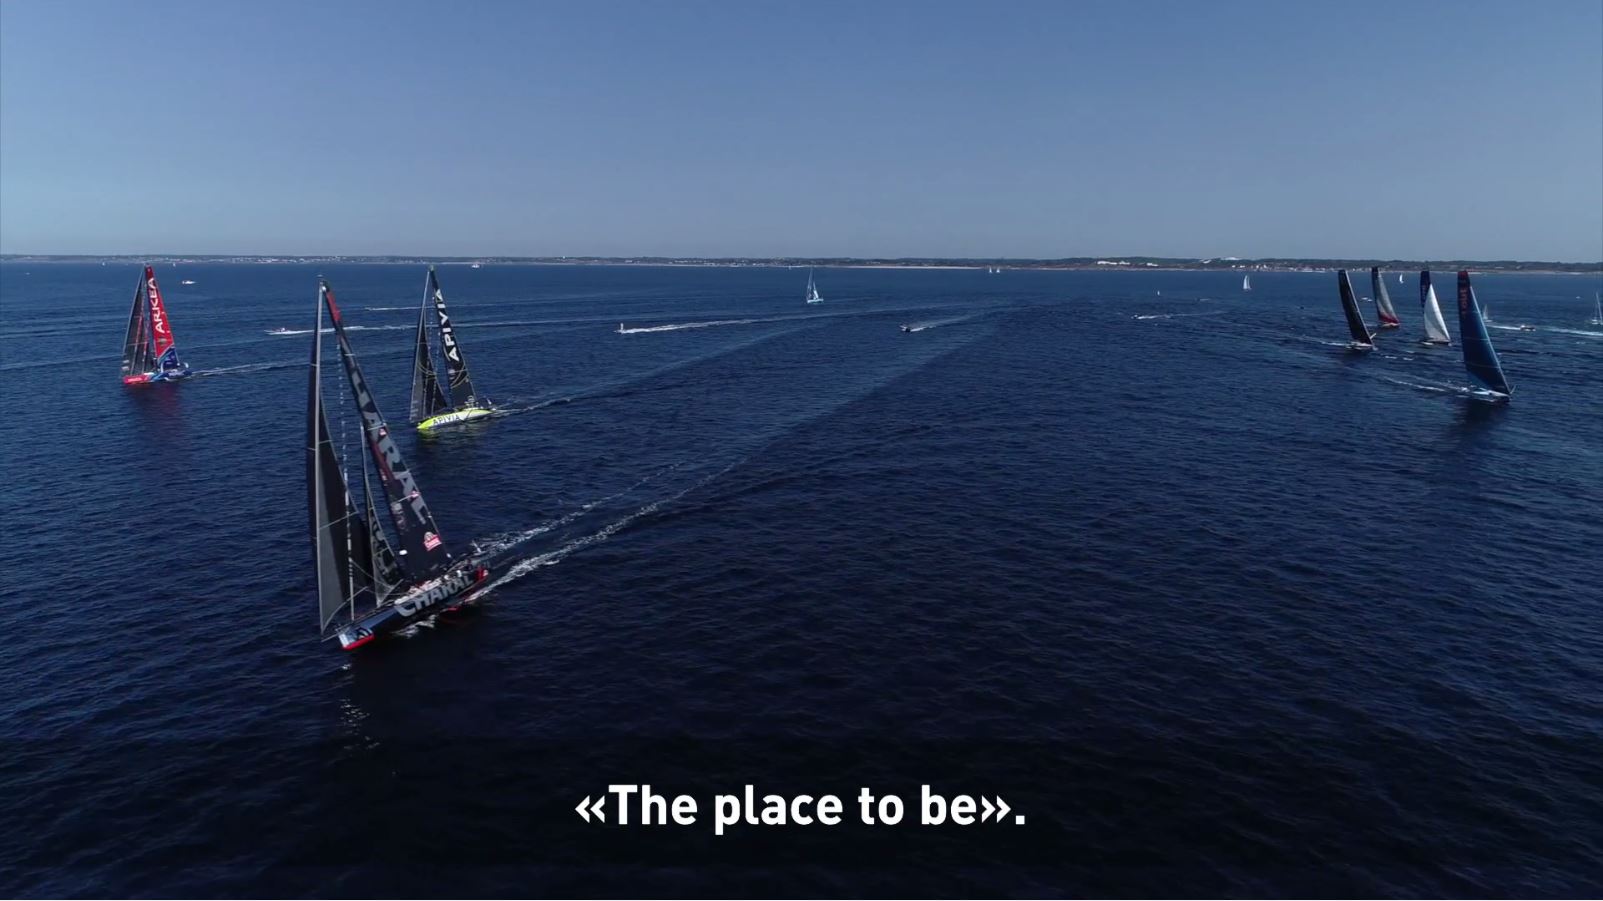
(326, 491)
(427, 399)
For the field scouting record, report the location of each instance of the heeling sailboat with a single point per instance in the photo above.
(1480, 359)
(359, 573)
(1383, 307)
(149, 351)
(1597, 308)
(431, 408)
(1246, 283)
(812, 289)
(1362, 339)
(1431, 312)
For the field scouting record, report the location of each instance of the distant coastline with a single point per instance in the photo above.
(1098, 264)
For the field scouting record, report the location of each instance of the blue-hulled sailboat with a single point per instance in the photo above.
(1480, 359)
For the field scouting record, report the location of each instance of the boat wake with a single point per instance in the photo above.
(504, 545)
(1177, 315)
(1431, 387)
(249, 368)
(291, 332)
(937, 323)
(551, 558)
(517, 408)
(1576, 331)
(677, 326)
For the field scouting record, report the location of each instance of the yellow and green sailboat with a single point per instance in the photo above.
(433, 407)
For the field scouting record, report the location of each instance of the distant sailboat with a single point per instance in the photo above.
(1246, 283)
(812, 289)
(1480, 359)
(1597, 309)
(149, 351)
(1431, 312)
(431, 408)
(1399, 278)
(1383, 307)
(1362, 339)
(360, 574)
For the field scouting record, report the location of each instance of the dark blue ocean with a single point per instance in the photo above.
(1219, 607)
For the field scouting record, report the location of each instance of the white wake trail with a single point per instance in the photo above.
(248, 367)
(550, 558)
(677, 326)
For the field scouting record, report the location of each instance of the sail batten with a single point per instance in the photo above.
(1349, 305)
(1480, 358)
(1383, 307)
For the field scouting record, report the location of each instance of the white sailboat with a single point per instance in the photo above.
(1246, 283)
(812, 289)
(1435, 328)
(1597, 309)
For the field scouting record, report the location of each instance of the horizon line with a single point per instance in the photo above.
(1109, 261)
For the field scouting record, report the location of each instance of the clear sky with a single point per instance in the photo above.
(866, 128)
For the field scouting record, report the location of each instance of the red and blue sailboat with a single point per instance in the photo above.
(1383, 308)
(367, 585)
(150, 353)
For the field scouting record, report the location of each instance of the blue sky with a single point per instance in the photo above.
(874, 128)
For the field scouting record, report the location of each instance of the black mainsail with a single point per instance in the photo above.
(137, 354)
(456, 368)
(1480, 359)
(427, 400)
(330, 500)
(1355, 320)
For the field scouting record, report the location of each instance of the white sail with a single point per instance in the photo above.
(1597, 309)
(1399, 278)
(1246, 283)
(812, 289)
(1435, 328)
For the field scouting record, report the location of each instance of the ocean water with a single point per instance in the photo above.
(1219, 607)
